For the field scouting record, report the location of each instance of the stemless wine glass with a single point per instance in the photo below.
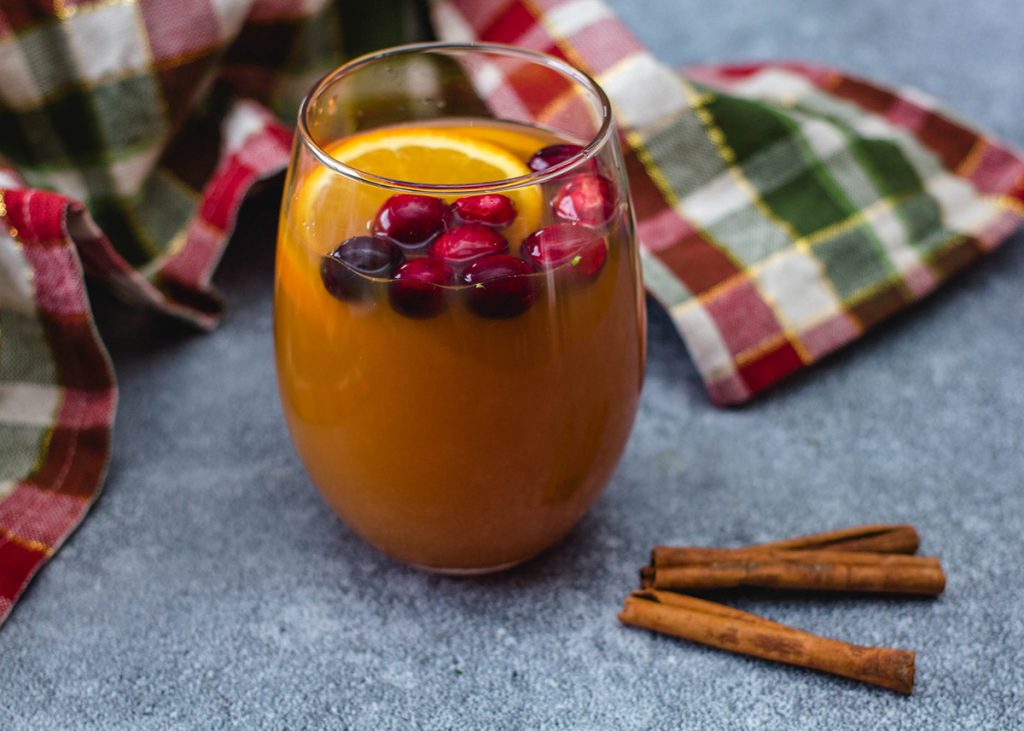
(459, 318)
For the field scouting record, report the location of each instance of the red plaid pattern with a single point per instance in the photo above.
(732, 330)
(740, 339)
(57, 237)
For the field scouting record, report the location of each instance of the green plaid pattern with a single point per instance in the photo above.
(783, 209)
(118, 104)
(95, 92)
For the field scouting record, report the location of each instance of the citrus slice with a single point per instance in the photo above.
(438, 157)
(416, 155)
(519, 143)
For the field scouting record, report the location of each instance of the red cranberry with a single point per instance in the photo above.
(501, 286)
(416, 289)
(490, 209)
(343, 271)
(411, 220)
(563, 244)
(552, 155)
(463, 244)
(588, 199)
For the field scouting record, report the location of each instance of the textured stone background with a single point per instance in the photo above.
(212, 588)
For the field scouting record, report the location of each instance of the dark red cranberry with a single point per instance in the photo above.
(343, 271)
(490, 209)
(501, 286)
(411, 220)
(416, 290)
(587, 199)
(463, 244)
(563, 244)
(552, 155)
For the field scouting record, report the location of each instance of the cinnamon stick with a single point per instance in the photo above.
(719, 568)
(741, 632)
(877, 538)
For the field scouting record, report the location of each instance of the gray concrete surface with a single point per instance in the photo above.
(211, 587)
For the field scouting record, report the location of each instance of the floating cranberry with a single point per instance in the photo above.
(501, 286)
(410, 220)
(343, 270)
(460, 245)
(552, 155)
(563, 244)
(416, 290)
(490, 209)
(588, 199)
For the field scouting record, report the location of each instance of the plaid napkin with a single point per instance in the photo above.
(784, 209)
(129, 134)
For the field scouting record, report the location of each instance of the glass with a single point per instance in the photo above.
(459, 321)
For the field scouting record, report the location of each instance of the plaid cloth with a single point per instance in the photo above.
(783, 209)
(111, 116)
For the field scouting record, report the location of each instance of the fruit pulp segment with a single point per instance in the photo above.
(457, 442)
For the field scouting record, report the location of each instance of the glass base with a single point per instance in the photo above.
(469, 572)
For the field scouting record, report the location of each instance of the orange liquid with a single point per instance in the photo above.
(459, 443)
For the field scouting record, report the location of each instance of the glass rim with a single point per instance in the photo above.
(532, 178)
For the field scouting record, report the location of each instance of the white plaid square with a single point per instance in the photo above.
(774, 85)
(718, 199)
(107, 42)
(28, 404)
(752, 237)
(830, 144)
(703, 340)
(643, 91)
(16, 291)
(568, 18)
(963, 210)
(230, 15)
(792, 283)
(892, 233)
(129, 173)
(19, 90)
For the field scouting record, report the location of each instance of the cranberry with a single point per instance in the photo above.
(490, 209)
(343, 270)
(564, 244)
(552, 155)
(501, 286)
(588, 199)
(411, 220)
(463, 244)
(416, 289)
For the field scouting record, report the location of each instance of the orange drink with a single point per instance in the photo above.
(458, 328)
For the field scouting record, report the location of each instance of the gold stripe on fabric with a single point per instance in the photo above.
(972, 159)
(28, 543)
(563, 45)
(1009, 203)
(3, 217)
(634, 138)
(728, 155)
(63, 11)
(765, 346)
(859, 217)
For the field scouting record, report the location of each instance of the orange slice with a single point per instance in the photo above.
(440, 157)
(329, 202)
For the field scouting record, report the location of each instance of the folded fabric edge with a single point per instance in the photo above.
(256, 146)
(54, 243)
(993, 168)
(73, 416)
